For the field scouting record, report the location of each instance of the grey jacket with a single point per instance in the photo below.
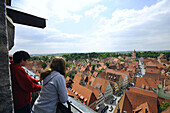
(53, 89)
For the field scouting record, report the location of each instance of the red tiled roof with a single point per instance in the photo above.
(163, 60)
(83, 68)
(142, 108)
(67, 78)
(154, 71)
(143, 92)
(116, 72)
(91, 80)
(167, 110)
(94, 90)
(162, 100)
(99, 82)
(160, 56)
(153, 76)
(138, 96)
(77, 78)
(102, 75)
(85, 92)
(145, 83)
(150, 59)
(95, 74)
(70, 93)
(151, 64)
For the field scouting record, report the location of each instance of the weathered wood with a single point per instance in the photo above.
(25, 19)
(6, 105)
(10, 31)
(8, 2)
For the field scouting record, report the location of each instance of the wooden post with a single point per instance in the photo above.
(6, 101)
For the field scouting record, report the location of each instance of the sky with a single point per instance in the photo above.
(80, 26)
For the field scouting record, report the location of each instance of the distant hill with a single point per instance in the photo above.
(54, 54)
(60, 54)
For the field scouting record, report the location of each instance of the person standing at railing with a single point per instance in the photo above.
(22, 84)
(54, 87)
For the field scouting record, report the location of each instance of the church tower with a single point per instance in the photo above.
(134, 54)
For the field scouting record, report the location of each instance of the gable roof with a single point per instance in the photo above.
(95, 74)
(94, 90)
(142, 108)
(67, 78)
(145, 83)
(138, 96)
(70, 93)
(91, 80)
(143, 92)
(116, 72)
(153, 76)
(102, 75)
(100, 83)
(77, 78)
(84, 92)
(160, 56)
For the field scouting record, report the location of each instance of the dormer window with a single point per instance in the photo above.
(85, 100)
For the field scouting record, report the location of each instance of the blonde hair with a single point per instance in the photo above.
(57, 64)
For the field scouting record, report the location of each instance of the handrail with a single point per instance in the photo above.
(71, 104)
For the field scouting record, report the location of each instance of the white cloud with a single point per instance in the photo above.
(77, 18)
(95, 11)
(60, 9)
(127, 18)
(127, 29)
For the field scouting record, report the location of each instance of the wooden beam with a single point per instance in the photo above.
(8, 2)
(25, 19)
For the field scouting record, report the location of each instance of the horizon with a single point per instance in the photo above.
(83, 26)
(101, 52)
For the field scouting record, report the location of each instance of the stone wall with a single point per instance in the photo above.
(6, 105)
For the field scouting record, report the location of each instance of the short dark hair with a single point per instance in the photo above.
(19, 55)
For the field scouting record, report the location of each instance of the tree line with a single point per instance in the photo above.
(145, 54)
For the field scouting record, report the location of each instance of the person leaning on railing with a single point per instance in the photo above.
(22, 84)
(53, 87)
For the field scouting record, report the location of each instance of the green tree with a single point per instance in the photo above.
(93, 67)
(43, 65)
(164, 106)
(107, 64)
(122, 60)
(68, 64)
(99, 71)
(168, 70)
(137, 60)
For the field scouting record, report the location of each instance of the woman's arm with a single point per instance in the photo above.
(61, 89)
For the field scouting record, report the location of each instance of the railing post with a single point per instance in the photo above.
(69, 106)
